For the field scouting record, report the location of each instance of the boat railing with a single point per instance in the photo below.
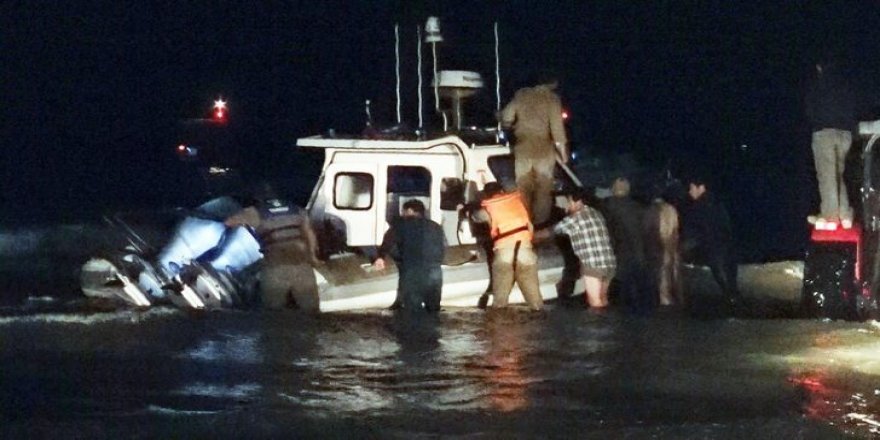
(470, 136)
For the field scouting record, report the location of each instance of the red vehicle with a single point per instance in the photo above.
(842, 265)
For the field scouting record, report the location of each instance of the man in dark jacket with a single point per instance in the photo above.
(708, 238)
(624, 216)
(417, 246)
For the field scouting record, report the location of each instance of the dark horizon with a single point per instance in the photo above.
(94, 91)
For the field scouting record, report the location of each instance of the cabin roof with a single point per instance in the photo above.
(472, 138)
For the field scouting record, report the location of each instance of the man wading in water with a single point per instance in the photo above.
(417, 246)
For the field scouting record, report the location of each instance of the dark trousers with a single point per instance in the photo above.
(724, 270)
(490, 257)
(633, 289)
(571, 271)
(420, 287)
(284, 285)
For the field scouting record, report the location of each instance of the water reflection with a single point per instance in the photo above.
(510, 363)
(387, 363)
(240, 348)
(833, 374)
(464, 372)
(820, 400)
(830, 399)
(507, 379)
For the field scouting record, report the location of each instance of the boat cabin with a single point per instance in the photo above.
(365, 182)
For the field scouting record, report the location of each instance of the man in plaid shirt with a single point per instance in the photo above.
(591, 242)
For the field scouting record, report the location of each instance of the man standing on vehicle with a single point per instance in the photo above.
(830, 106)
(418, 246)
(535, 114)
(514, 260)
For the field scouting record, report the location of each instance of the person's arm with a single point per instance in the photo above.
(386, 249)
(723, 222)
(548, 232)
(542, 234)
(311, 240)
(691, 234)
(508, 114)
(480, 216)
(810, 104)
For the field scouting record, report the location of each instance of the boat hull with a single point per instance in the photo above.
(349, 282)
(346, 282)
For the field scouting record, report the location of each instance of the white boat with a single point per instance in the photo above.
(364, 182)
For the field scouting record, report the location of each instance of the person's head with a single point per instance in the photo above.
(578, 199)
(492, 189)
(545, 78)
(696, 188)
(413, 208)
(260, 194)
(620, 187)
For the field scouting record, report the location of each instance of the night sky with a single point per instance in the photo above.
(93, 92)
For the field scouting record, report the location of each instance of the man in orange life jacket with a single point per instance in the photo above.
(290, 250)
(514, 258)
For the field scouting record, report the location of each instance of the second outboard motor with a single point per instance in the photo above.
(219, 278)
(238, 250)
(194, 237)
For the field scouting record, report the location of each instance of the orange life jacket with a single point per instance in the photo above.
(508, 219)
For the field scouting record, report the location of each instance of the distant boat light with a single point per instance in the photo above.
(219, 108)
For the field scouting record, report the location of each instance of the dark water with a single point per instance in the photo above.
(565, 373)
(71, 370)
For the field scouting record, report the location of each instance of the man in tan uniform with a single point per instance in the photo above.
(290, 249)
(535, 114)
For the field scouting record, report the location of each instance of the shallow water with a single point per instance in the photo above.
(70, 370)
(564, 373)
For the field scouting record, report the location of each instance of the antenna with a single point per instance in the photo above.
(369, 116)
(436, 85)
(497, 85)
(497, 73)
(419, 50)
(397, 66)
(432, 35)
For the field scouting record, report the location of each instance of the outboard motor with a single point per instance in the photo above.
(220, 277)
(239, 250)
(205, 258)
(194, 237)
